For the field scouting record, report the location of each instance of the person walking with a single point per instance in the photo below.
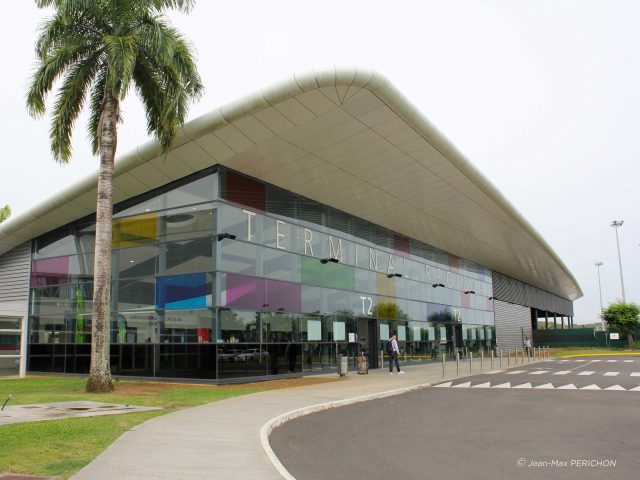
(393, 355)
(527, 345)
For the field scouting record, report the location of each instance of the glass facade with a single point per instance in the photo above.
(221, 276)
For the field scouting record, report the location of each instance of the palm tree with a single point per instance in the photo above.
(99, 49)
(4, 213)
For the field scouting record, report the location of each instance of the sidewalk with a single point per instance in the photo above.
(222, 439)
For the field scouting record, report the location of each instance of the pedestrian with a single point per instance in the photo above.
(527, 345)
(393, 351)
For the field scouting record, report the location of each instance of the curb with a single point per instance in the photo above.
(275, 422)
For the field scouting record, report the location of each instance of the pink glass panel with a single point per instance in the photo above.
(49, 271)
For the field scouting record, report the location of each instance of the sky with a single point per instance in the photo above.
(542, 96)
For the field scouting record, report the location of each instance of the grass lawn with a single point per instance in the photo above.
(62, 447)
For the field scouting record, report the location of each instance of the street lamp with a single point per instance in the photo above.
(615, 224)
(599, 264)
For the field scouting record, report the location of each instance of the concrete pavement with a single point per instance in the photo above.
(223, 439)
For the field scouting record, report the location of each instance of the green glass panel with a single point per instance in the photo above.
(330, 275)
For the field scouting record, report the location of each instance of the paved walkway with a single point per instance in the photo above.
(222, 439)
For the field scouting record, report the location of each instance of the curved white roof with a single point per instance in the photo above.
(345, 137)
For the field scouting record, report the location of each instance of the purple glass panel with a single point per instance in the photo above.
(50, 271)
(245, 292)
(283, 296)
(401, 245)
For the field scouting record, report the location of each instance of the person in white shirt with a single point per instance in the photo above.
(393, 355)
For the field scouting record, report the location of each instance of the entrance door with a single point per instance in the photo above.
(368, 339)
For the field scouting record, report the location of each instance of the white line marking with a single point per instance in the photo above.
(462, 385)
(635, 374)
(443, 385)
(580, 361)
(612, 361)
(637, 389)
(564, 361)
(587, 372)
(503, 385)
(571, 386)
(483, 385)
(493, 372)
(591, 387)
(538, 372)
(524, 385)
(628, 361)
(611, 374)
(616, 387)
(515, 372)
(562, 372)
(595, 361)
(546, 386)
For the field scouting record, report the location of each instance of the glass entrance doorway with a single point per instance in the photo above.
(368, 339)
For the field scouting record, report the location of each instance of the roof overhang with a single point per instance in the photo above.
(347, 138)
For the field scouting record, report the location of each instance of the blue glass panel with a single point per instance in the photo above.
(182, 291)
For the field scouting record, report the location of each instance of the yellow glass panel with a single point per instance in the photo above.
(134, 231)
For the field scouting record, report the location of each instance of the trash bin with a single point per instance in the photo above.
(363, 364)
(343, 365)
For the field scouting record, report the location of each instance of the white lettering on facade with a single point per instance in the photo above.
(366, 310)
(391, 268)
(335, 252)
(279, 235)
(427, 272)
(373, 259)
(308, 236)
(249, 215)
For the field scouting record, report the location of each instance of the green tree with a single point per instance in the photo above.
(5, 212)
(99, 49)
(624, 318)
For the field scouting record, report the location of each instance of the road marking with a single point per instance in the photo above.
(571, 386)
(615, 387)
(524, 385)
(637, 389)
(493, 372)
(515, 372)
(483, 385)
(562, 372)
(628, 361)
(546, 386)
(462, 385)
(503, 385)
(587, 372)
(593, 386)
(538, 372)
(564, 361)
(595, 361)
(442, 385)
(635, 374)
(612, 361)
(611, 374)
(580, 361)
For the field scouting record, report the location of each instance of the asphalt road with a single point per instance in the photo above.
(458, 431)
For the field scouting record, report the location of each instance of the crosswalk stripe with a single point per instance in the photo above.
(443, 385)
(546, 386)
(493, 372)
(570, 386)
(515, 372)
(462, 385)
(538, 372)
(580, 361)
(524, 385)
(593, 386)
(635, 374)
(564, 361)
(587, 372)
(628, 361)
(637, 389)
(612, 361)
(611, 374)
(596, 361)
(562, 372)
(483, 385)
(503, 385)
(615, 387)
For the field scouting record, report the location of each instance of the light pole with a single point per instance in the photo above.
(615, 224)
(599, 264)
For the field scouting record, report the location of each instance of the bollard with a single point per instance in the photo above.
(500, 358)
(508, 357)
(522, 356)
(470, 362)
(443, 375)
(481, 360)
(457, 364)
(492, 352)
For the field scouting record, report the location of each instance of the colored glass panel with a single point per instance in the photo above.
(182, 291)
(245, 292)
(246, 191)
(283, 296)
(50, 271)
(331, 275)
(134, 231)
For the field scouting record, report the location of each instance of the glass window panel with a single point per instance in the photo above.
(145, 206)
(311, 299)
(187, 326)
(134, 231)
(365, 280)
(280, 202)
(338, 301)
(50, 271)
(239, 326)
(135, 294)
(81, 267)
(136, 327)
(279, 327)
(136, 262)
(244, 190)
(281, 265)
(238, 257)
(332, 275)
(182, 291)
(53, 300)
(189, 255)
(9, 344)
(188, 222)
(48, 329)
(197, 191)
(54, 244)
(10, 323)
(245, 292)
(283, 296)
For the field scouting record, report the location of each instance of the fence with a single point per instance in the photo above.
(578, 337)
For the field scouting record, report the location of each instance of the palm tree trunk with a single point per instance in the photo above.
(100, 371)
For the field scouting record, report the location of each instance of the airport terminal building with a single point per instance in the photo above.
(309, 220)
